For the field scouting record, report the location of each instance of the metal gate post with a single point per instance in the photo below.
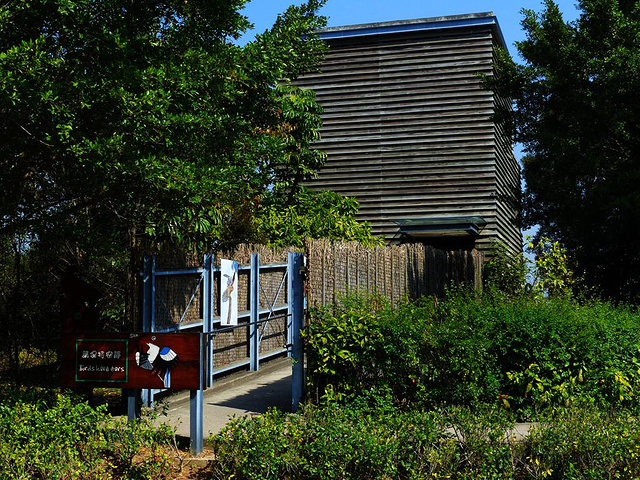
(295, 325)
(148, 308)
(196, 404)
(207, 313)
(254, 314)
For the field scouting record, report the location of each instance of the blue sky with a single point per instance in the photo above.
(262, 13)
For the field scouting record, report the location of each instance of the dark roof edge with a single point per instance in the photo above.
(399, 26)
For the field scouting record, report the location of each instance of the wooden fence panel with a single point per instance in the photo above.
(396, 272)
(333, 269)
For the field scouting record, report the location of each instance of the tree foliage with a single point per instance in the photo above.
(552, 276)
(313, 214)
(126, 124)
(146, 116)
(505, 271)
(577, 113)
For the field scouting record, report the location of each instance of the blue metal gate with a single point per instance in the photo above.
(274, 313)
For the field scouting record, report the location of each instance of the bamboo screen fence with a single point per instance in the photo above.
(396, 272)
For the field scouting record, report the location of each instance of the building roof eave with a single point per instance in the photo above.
(418, 24)
(442, 226)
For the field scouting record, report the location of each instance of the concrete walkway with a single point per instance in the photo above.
(241, 394)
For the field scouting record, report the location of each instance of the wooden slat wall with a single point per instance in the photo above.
(408, 129)
(508, 187)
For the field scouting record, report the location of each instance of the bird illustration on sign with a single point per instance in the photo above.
(226, 295)
(228, 290)
(159, 360)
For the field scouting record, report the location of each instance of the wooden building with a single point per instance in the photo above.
(408, 131)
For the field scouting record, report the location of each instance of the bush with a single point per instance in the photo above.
(313, 214)
(431, 390)
(581, 443)
(527, 354)
(577, 443)
(56, 436)
(505, 271)
(351, 443)
(365, 347)
(552, 275)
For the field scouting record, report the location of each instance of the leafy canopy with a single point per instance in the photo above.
(313, 214)
(143, 119)
(577, 113)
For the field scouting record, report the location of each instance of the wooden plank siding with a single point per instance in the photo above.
(408, 129)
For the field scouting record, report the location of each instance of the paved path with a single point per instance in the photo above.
(241, 394)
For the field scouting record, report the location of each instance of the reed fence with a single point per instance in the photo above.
(395, 272)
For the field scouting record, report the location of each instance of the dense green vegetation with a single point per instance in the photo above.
(126, 127)
(313, 214)
(524, 353)
(577, 116)
(453, 443)
(432, 390)
(46, 435)
(147, 121)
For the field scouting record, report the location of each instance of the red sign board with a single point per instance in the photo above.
(133, 360)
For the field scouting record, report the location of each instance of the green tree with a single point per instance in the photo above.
(552, 276)
(505, 271)
(577, 113)
(128, 123)
(313, 214)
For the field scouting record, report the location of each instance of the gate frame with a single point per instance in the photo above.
(294, 307)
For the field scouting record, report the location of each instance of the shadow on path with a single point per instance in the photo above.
(245, 394)
(260, 399)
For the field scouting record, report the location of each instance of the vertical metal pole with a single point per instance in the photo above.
(148, 309)
(133, 407)
(133, 410)
(152, 327)
(207, 313)
(147, 274)
(296, 323)
(196, 406)
(254, 315)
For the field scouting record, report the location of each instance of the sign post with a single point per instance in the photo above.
(134, 361)
(196, 407)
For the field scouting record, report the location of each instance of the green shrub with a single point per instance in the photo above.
(351, 443)
(338, 341)
(313, 214)
(334, 442)
(552, 275)
(430, 389)
(554, 352)
(365, 347)
(581, 443)
(576, 443)
(505, 271)
(523, 353)
(56, 436)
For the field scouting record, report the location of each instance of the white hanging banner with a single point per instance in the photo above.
(228, 292)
